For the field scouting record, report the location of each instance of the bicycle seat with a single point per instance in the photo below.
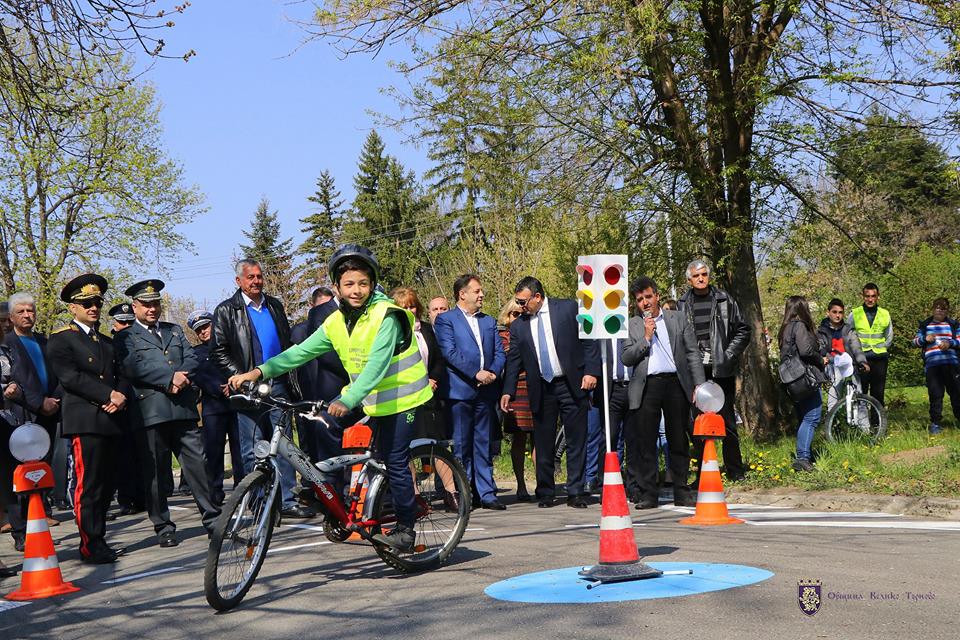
(331, 465)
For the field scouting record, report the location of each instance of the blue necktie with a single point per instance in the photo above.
(546, 369)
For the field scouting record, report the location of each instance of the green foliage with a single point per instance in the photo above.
(280, 273)
(323, 226)
(88, 189)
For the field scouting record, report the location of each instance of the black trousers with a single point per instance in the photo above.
(619, 403)
(182, 438)
(94, 460)
(661, 394)
(732, 458)
(939, 379)
(558, 401)
(16, 511)
(874, 382)
(217, 428)
(127, 474)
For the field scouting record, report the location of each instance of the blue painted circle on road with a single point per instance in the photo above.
(565, 586)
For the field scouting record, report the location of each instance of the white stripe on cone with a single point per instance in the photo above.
(608, 523)
(710, 465)
(40, 564)
(710, 496)
(612, 478)
(37, 526)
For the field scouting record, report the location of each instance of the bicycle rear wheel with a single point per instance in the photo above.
(865, 422)
(443, 510)
(241, 536)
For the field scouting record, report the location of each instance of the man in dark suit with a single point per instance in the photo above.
(83, 361)
(219, 418)
(562, 371)
(475, 359)
(249, 328)
(664, 352)
(157, 360)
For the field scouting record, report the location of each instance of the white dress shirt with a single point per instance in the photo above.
(87, 330)
(544, 316)
(474, 325)
(247, 300)
(661, 354)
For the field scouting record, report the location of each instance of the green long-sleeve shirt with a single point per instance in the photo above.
(384, 346)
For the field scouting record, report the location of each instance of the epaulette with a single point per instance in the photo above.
(66, 327)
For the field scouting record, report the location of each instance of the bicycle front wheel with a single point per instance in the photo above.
(443, 510)
(863, 420)
(241, 536)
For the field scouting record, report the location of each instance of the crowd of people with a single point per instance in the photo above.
(119, 406)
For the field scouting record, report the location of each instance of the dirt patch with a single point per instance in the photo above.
(913, 456)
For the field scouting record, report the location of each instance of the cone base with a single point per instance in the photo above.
(620, 572)
(46, 592)
(706, 521)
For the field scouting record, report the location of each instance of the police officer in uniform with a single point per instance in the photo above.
(158, 362)
(83, 361)
(130, 494)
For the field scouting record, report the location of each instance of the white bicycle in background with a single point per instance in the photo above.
(856, 417)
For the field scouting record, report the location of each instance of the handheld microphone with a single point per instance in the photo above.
(647, 314)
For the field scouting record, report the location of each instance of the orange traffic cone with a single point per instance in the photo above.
(41, 576)
(619, 558)
(711, 504)
(356, 439)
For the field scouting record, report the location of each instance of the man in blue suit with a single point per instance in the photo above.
(562, 372)
(475, 358)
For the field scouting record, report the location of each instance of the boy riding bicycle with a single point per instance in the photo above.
(374, 339)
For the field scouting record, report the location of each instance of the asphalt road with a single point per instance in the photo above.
(312, 589)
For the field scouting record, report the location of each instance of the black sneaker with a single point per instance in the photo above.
(802, 464)
(401, 539)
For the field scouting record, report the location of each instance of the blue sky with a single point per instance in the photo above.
(249, 117)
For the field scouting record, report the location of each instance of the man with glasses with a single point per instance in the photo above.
(562, 371)
(722, 336)
(82, 359)
(158, 361)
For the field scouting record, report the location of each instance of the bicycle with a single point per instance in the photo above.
(857, 417)
(242, 533)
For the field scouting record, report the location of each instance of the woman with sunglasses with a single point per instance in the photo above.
(519, 422)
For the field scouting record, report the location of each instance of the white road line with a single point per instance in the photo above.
(593, 526)
(146, 574)
(297, 546)
(176, 508)
(6, 605)
(818, 514)
(907, 524)
(308, 527)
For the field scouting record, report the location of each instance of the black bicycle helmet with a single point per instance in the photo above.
(355, 251)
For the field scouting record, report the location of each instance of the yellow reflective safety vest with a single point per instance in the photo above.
(405, 384)
(872, 336)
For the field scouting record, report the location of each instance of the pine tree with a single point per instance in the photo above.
(371, 166)
(324, 226)
(280, 274)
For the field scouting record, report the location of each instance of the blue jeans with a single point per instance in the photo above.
(393, 434)
(259, 426)
(808, 413)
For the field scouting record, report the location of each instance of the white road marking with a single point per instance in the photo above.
(308, 527)
(6, 605)
(297, 546)
(176, 508)
(146, 574)
(906, 524)
(593, 526)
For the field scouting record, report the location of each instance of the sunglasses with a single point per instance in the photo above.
(86, 304)
(521, 302)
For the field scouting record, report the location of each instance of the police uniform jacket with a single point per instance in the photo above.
(149, 364)
(85, 368)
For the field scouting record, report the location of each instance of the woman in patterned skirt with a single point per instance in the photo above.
(519, 422)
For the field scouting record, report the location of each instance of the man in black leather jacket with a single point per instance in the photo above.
(723, 336)
(249, 328)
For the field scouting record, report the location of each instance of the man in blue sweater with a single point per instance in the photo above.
(939, 337)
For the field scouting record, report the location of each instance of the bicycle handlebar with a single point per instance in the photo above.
(259, 393)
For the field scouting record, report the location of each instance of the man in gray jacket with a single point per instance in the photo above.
(157, 360)
(662, 348)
